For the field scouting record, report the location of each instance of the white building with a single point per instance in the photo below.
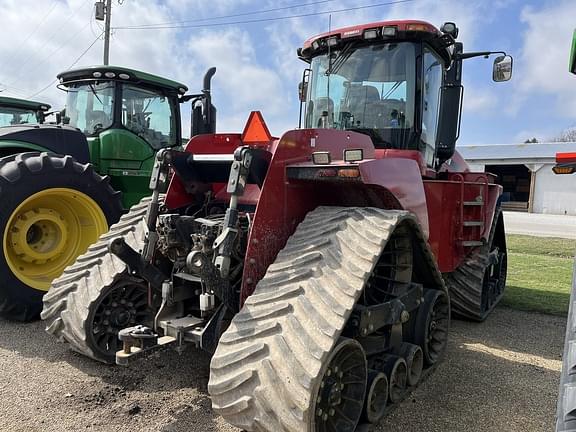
(525, 172)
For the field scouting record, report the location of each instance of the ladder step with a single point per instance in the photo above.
(473, 203)
(472, 223)
(472, 243)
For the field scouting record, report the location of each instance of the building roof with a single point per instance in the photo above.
(520, 153)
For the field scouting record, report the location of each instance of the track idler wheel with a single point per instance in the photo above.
(432, 325)
(414, 362)
(376, 397)
(397, 371)
(340, 398)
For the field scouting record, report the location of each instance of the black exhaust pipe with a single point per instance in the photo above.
(203, 112)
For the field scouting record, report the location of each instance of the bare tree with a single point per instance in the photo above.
(567, 135)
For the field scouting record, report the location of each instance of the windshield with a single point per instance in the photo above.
(89, 106)
(369, 89)
(150, 115)
(17, 116)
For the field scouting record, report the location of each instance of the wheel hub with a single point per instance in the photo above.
(332, 387)
(39, 235)
(47, 231)
(121, 315)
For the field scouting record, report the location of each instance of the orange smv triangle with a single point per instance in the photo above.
(256, 130)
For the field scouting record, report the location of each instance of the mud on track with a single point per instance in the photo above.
(501, 375)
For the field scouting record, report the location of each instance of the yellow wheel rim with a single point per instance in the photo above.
(46, 233)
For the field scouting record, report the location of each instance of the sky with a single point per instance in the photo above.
(257, 66)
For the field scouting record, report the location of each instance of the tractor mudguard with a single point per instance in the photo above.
(63, 140)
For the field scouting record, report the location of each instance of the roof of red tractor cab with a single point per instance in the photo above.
(359, 29)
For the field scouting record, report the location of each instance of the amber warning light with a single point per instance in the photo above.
(559, 169)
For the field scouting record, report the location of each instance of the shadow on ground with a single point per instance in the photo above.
(499, 375)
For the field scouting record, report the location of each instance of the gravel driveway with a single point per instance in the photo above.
(498, 376)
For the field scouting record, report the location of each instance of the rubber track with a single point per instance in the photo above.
(67, 304)
(465, 284)
(268, 364)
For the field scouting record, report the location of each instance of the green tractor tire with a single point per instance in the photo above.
(51, 209)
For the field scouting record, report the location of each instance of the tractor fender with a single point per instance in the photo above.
(403, 179)
(64, 140)
(8, 148)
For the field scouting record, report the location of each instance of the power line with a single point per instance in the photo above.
(259, 20)
(44, 18)
(69, 67)
(12, 89)
(84, 52)
(43, 90)
(255, 12)
(58, 31)
(49, 56)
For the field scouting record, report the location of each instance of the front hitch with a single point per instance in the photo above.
(137, 341)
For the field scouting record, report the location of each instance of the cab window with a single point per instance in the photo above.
(150, 115)
(90, 106)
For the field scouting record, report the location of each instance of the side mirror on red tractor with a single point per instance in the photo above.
(502, 70)
(452, 91)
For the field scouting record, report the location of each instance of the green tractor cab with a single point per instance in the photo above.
(14, 111)
(62, 186)
(126, 116)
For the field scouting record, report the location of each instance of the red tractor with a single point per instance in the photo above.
(318, 268)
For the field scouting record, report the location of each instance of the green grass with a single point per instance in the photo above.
(539, 274)
(521, 244)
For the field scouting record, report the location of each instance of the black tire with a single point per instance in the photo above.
(71, 305)
(21, 176)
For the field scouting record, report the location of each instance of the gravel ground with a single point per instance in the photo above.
(498, 376)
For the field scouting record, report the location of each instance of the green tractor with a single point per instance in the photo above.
(62, 186)
(14, 111)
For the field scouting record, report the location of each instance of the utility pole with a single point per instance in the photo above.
(107, 32)
(104, 13)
